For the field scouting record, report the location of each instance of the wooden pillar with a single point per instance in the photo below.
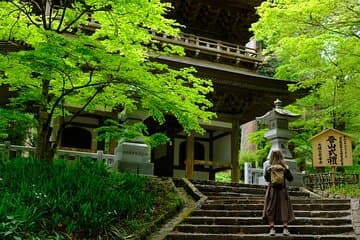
(235, 171)
(190, 143)
(212, 172)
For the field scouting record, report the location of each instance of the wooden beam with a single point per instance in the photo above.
(221, 135)
(190, 143)
(212, 164)
(204, 139)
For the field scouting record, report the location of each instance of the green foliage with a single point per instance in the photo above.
(352, 190)
(125, 132)
(250, 157)
(312, 39)
(263, 145)
(355, 169)
(224, 176)
(14, 126)
(268, 66)
(308, 125)
(80, 199)
(356, 151)
(106, 69)
(316, 43)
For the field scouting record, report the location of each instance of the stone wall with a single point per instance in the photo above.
(355, 208)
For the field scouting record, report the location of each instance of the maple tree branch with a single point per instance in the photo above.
(23, 10)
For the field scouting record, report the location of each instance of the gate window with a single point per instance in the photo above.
(75, 137)
(199, 152)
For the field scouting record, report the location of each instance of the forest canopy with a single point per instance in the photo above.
(316, 44)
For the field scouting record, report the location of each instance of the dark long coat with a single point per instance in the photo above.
(277, 205)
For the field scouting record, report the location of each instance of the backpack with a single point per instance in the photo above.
(277, 175)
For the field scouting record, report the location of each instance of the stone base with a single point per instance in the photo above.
(298, 180)
(261, 181)
(292, 164)
(136, 167)
(298, 177)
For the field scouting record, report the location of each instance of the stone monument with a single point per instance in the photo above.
(278, 122)
(133, 155)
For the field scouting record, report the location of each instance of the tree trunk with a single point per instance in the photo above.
(44, 150)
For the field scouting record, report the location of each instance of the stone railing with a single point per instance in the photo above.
(320, 181)
(253, 175)
(217, 48)
(7, 150)
(323, 181)
(128, 157)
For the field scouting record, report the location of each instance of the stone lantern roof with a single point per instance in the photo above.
(278, 113)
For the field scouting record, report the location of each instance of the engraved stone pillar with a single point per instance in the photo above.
(134, 155)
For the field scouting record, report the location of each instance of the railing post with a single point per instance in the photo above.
(18, 153)
(248, 173)
(7, 145)
(218, 55)
(100, 155)
(197, 52)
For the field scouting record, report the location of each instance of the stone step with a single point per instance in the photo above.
(307, 207)
(258, 213)
(213, 183)
(232, 195)
(263, 229)
(233, 211)
(234, 185)
(225, 190)
(249, 197)
(237, 185)
(257, 194)
(261, 201)
(196, 220)
(206, 236)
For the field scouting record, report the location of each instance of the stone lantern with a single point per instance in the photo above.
(278, 122)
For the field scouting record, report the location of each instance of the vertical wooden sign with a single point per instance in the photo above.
(331, 148)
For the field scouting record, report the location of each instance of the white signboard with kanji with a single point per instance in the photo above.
(331, 148)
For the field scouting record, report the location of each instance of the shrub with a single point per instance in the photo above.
(351, 190)
(15, 125)
(224, 176)
(81, 199)
(250, 157)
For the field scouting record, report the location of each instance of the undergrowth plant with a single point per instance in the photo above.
(349, 190)
(81, 199)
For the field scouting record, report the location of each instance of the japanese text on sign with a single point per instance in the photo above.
(331, 148)
(332, 156)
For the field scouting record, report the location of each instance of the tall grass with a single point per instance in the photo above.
(79, 200)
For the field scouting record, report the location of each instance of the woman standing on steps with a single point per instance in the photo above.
(277, 205)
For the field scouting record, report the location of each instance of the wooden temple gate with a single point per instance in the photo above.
(214, 40)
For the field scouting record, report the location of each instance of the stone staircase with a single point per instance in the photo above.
(233, 211)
